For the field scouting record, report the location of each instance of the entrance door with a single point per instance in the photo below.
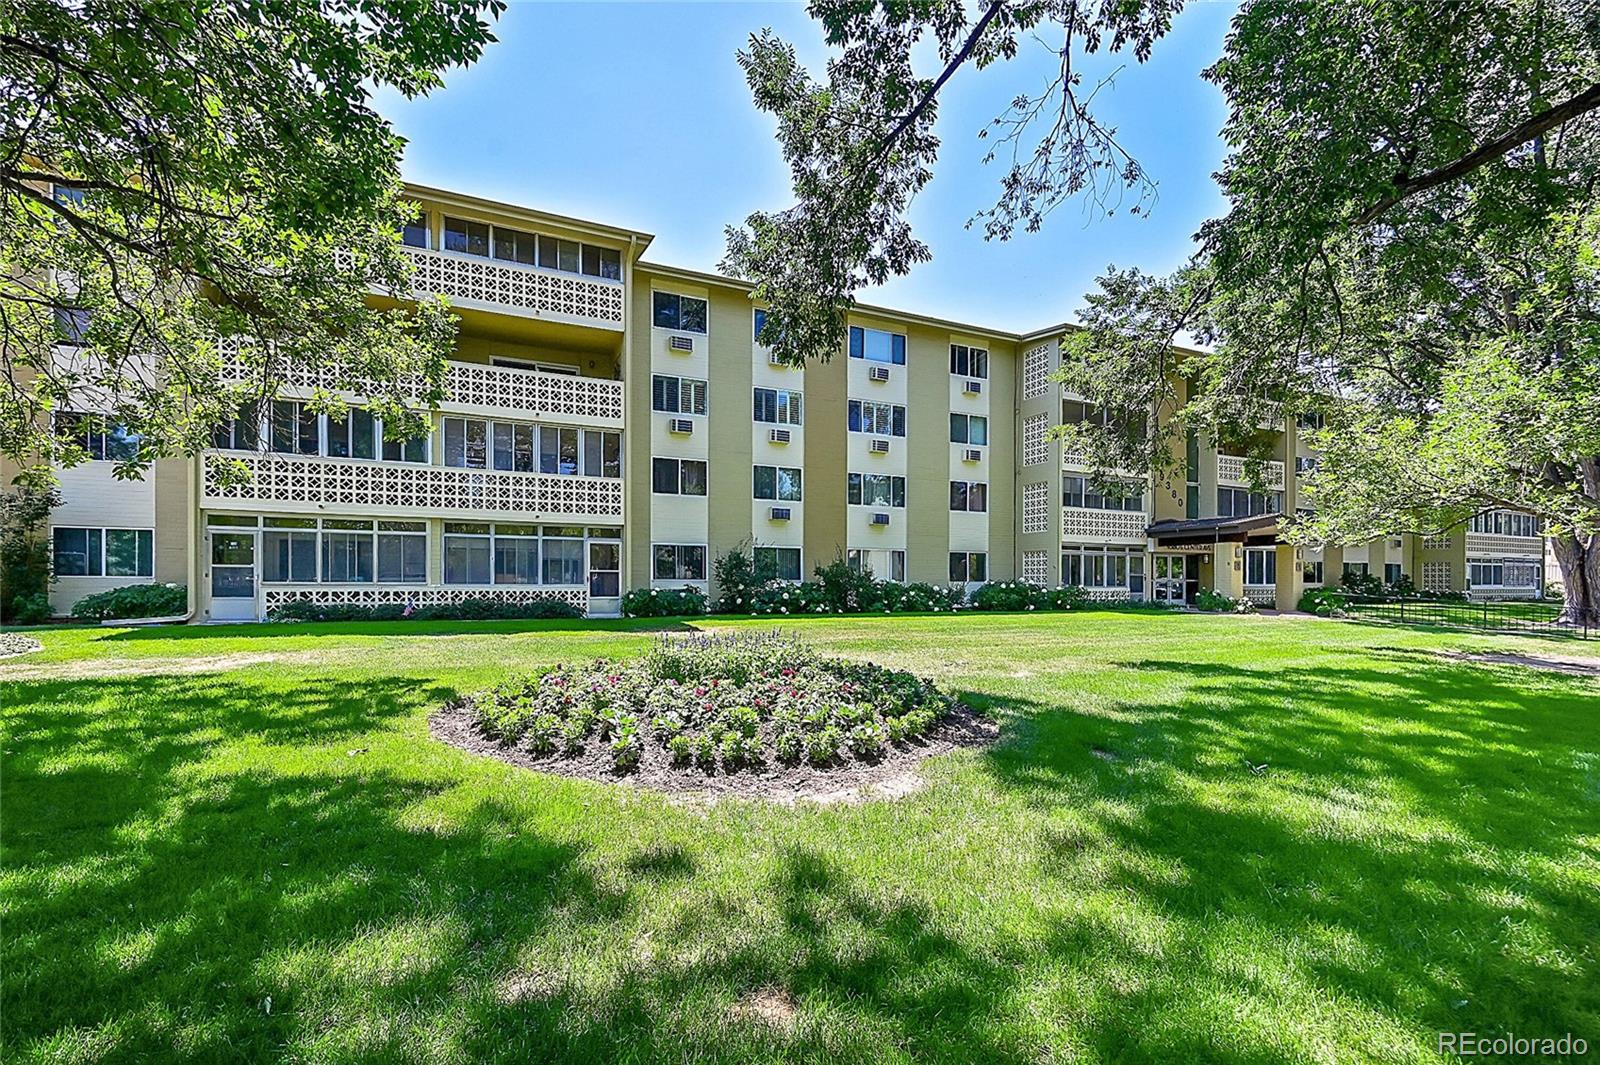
(1169, 584)
(233, 574)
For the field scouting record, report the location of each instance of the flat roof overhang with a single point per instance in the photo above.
(1200, 532)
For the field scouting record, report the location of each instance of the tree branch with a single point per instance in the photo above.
(1406, 187)
(945, 75)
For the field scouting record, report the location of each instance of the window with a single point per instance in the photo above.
(678, 477)
(411, 449)
(602, 262)
(759, 320)
(516, 554)
(295, 429)
(782, 563)
(1104, 567)
(680, 562)
(777, 482)
(1260, 566)
(353, 436)
(1304, 464)
(969, 429)
(778, 405)
(562, 551)
(289, 550)
(1078, 490)
(242, 432)
(101, 440)
(414, 234)
(605, 568)
(402, 552)
(72, 324)
(875, 345)
(879, 419)
(466, 443)
(855, 560)
(1312, 571)
(515, 246)
(1391, 572)
(1356, 569)
(876, 490)
(1243, 503)
(347, 551)
(897, 566)
(1504, 523)
(558, 254)
(469, 238)
(677, 395)
(686, 314)
(467, 553)
(969, 495)
(476, 443)
(968, 566)
(103, 552)
(968, 362)
(1485, 573)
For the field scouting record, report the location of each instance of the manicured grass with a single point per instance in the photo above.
(1201, 839)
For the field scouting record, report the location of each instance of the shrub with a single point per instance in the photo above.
(715, 700)
(845, 591)
(921, 597)
(1403, 586)
(134, 601)
(664, 602)
(474, 608)
(31, 609)
(1357, 583)
(738, 581)
(1021, 595)
(1323, 602)
(1216, 602)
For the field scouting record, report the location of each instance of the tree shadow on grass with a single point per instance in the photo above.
(1409, 837)
(531, 626)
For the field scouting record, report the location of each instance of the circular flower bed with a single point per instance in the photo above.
(724, 706)
(15, 643)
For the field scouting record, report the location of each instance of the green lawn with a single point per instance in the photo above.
(1201, 838)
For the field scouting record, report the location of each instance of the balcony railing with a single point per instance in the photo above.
(1081, 522)
(1231, 470)
(314, 485)
(1500, 543)
(477, 388)
(523, 290)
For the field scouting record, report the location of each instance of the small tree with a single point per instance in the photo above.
(24, 554)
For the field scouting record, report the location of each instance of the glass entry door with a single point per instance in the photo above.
(1169, 583)
(233, 574)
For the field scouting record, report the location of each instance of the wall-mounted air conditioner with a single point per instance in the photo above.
(778, 436)
(972, 454)
(685, 345)
(781, 513)
(681, 425)
(879, 446)
(973, 388)
(877, 373)
(880, 518)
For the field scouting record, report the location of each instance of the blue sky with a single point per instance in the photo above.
(636, 114)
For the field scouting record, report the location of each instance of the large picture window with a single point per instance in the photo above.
(968, 362)
(479, 444)
(679, 562)
(102, 440)
(969, 429)
(684, 314)
(779, 406)
(1082, 492)
(507, 244)
(678, 477)
(782, 563)
(1104, 567)
(876, 345)
(1243, 503)
(875, 489)
(85, 552)
(970, 496)
(677, 395)
(968, 566)
(778, 482)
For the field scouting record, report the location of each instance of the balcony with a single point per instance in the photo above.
(476, 388)
(307, 484)
(1231, 471)
(1498, 544)
(526, 291)
(1078, 523)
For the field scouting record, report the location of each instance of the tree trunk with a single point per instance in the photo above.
(1579, 559)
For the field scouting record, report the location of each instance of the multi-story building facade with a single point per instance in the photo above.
(611, 423)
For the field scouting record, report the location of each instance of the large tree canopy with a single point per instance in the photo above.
(1409, 250)
(175, 173)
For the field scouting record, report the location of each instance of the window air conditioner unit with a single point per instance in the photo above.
(880, 518)
(681, 425)
(877, 373)
(781, 513)
(779, 436)
(973, 388)
(683, 344)
(972, 454)
(879, 446)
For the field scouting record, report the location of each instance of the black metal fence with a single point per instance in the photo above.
(1530, 616)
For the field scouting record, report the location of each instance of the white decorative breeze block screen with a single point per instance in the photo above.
(530, 393)
(1495, 544)
(1035, 567)
(1261, 594)
(1036, 371)
(306, 482)
(1080, 522)
(421, 595)
(468, 277)
(1035, 450)
(1436, 576)
(1036, 507)
(1230, 470)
